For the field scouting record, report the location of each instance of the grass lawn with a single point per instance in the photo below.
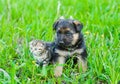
(23, 20)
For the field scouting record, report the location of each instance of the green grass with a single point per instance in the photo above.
(22, 20)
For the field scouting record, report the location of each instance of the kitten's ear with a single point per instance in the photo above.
(44, 43)
(78, 25)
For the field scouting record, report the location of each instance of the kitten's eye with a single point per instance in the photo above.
(35, 48)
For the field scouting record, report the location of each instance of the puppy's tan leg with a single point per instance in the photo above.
(82, 64)
(58, 69)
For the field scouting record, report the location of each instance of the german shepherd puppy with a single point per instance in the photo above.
(68, 42)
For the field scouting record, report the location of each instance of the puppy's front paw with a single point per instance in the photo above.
(58, 71)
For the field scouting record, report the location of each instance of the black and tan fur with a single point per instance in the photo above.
(68, 42)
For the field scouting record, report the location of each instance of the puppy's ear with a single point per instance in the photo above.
(55, 25)
(62, 17)
(78, 25)
(71, 17)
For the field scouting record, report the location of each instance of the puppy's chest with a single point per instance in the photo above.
(68, 53)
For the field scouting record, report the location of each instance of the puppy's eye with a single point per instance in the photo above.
(59, 32)
(68, 33)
